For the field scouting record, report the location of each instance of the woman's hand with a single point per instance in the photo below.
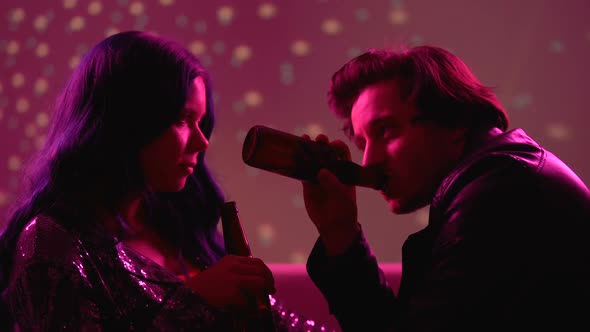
(232, 282)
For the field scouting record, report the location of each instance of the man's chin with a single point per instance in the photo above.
(398, 206)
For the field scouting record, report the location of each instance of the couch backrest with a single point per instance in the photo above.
(297, 292)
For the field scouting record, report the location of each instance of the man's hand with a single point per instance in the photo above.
(331, 205)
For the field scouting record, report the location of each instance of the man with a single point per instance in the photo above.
(505, 246)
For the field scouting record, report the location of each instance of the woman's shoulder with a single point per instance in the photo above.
(44, 238)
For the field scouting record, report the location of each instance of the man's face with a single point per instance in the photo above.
(415, 155)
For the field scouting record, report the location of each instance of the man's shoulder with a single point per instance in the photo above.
(511, 158)
(513, 163)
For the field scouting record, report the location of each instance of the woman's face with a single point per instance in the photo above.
(167, 161)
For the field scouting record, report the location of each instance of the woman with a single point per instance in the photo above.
(118, 230)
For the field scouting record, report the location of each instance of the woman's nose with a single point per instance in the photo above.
(198, 141)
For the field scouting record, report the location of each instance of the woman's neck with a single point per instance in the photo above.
(134, 215)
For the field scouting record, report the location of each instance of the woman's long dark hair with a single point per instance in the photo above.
(126, 91)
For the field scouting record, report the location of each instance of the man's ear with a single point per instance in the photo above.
(458, 139)
(459, 134)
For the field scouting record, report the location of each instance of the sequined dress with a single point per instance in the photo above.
(64, 281)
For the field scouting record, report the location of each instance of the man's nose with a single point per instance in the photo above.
(372, 155)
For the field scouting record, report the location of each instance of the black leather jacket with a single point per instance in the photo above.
(63, 281)
(505, 249)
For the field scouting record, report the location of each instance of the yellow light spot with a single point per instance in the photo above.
(18, 80)
(111, 31)
(266, 232)
(42, 50)
(94, 8)
(14, 163)
(30, 130)
(74, 61)
(17, 15)
(253, 98)
(42, 119)
(39, 142)
(242, 53)
(136, 8)
(77, 23)
(331, 26)
(421, 217)
(69, 4)
(267, 10)
(197, 47)
(22, 105)
(166, 2)
(3, 198)
(314, 129)
(301, 47)
(41, 22)
(41, 86)
(559, 132)
(398, 16)
(12, 47)
(225, 14)
(298, 257)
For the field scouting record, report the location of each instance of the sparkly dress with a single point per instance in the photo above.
(63, 281)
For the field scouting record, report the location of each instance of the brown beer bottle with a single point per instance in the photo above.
(299, 158)
(260, 317)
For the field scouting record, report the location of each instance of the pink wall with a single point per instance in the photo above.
(271, 62)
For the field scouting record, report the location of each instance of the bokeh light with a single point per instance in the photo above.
(242, 53)
(136, 8)
(95, 8)
(41, 86)
(42, 50)
(22, 105)
(559, 132)
(77, 23)
(12, 47)
(301, 47)
(225, 15)
(253, 98)
(332, 26)
(166, 3)
(266, 234)
(74, 61)
(17, 15)
(41, 22)
(69, 4)
(198, 47)
(14, 163)
(18, 80)
(267, 10)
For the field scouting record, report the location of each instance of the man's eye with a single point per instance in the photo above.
(386, 132)
(360, 144)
